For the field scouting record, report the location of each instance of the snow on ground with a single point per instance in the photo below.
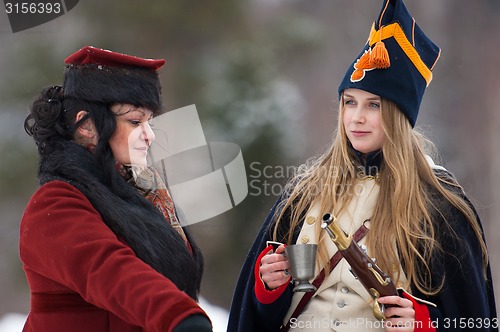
(217, 315)
(14, 322)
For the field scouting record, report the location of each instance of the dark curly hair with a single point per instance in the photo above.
(48, 118)
(53, 118)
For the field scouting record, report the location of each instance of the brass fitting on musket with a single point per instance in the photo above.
(340, 237)
(375, 281)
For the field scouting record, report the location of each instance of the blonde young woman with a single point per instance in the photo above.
(423, 231)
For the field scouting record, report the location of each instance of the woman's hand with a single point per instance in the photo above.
(274, 268)
(400, 316)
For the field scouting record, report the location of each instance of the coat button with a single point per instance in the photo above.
(344, 290)
(305, 239)
(310, 220)
(341, 304)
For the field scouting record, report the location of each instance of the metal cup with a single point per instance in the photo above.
(302, 259)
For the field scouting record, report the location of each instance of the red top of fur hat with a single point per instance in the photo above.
(90, 55)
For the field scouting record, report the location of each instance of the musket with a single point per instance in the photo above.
(375, 281)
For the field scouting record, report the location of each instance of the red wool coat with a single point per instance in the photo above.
(83, 278)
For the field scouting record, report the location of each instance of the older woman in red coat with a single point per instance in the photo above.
(100, 241)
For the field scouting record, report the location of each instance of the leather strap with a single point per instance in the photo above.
(336, 258)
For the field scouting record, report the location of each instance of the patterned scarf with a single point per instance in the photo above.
(149, 184)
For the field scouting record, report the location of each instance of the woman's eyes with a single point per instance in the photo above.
(371, 105)
(139, 122)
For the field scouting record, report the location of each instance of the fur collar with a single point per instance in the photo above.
(129, 215)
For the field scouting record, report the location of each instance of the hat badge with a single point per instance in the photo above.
(376, 57)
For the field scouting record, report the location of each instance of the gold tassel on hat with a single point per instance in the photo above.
(379, 57)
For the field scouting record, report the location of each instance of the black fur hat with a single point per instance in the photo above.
(98, 75)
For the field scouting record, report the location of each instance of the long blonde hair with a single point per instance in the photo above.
(404, 208)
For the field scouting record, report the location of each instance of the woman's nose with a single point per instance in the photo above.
(358, 115)
(148, 133)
